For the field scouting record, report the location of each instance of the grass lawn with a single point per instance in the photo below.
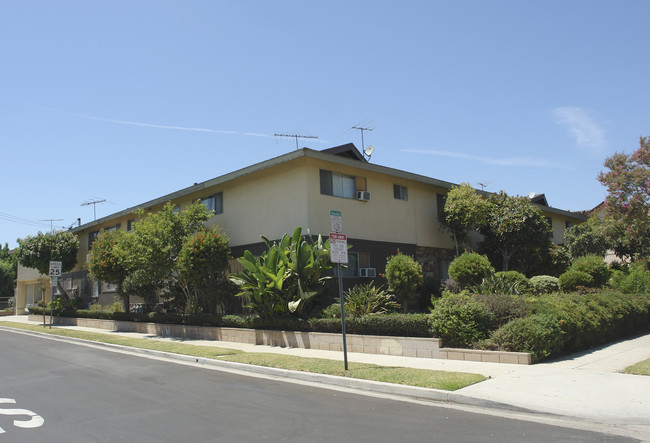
(641, 368)
(449, 381)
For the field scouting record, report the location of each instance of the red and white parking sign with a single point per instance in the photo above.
(338, 248)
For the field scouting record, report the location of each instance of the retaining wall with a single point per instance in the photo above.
(369, 344)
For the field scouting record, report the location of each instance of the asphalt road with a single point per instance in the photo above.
(85, 394)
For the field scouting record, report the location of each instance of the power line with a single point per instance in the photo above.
(22, 221)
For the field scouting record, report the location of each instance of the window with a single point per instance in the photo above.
(92, 236)
(400, 192)
(67, 284)
(341, 185)
(109, 287)
(130, 225)
(112, 228)
(568, 225)
(441, 200)
(214, 203)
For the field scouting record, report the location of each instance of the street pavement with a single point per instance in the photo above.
(587, 387)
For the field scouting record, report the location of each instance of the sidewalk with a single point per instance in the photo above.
(586, 386)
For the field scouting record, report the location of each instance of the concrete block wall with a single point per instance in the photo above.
(368, 344)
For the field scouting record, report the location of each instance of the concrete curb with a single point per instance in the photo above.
(411, 392)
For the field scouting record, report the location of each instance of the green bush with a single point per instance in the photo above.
(544, 284)
(594, 266)
(539, 334)
(570, 280)
(470, 269)
(508, 282)
(404, 275)
(503, 307)
(635, 281)
(460, 321)
(592, 320)
(362, 300)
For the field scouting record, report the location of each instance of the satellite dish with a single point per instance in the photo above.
(369, 150)
(532, 194)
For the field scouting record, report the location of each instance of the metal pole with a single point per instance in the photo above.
(51, 304)
(345, 348)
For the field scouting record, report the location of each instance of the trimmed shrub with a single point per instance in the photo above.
(570, 280)
(544, 284)
(592, 320)
(594, 266)
(503, 307)
(635, 281)
(470, 269)
(538, 334)
(404, 275)
(460, 321)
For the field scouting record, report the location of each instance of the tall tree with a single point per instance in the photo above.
(628, 199)
(464, 211)
(7, 271)
(105, 264)
(37, 252)
(587, 238)
(512, 226)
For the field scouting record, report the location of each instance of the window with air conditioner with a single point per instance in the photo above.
(341, 185)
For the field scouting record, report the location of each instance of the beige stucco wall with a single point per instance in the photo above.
(383, 218)
(31, 287)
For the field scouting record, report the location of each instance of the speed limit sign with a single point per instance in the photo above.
(55, 268)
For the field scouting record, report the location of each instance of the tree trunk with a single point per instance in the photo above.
(63, 292)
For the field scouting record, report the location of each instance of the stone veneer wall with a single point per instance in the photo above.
(368, 344)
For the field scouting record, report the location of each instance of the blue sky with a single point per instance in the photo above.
(129, 100)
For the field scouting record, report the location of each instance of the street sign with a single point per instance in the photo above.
(55, 268)
(336, 221)
(338, 248)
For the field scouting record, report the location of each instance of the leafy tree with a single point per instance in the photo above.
(106, 264)
(587, 238)
(628, 199)
(7, 271)
(7, 278)
(202, 263)
(7, 255)
(37, 252)
(150, 253)
(513, 225)
(470, 269)
(464, 211)
(404, 275)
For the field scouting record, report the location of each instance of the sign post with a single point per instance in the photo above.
(55, 273)
(339, 254)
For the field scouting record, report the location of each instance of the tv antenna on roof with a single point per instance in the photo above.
(368, 152)
(483, 185)
(296, 136)
(94, 203)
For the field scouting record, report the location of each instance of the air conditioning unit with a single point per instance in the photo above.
(368, 272)
(363, 196)
(88, 258)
